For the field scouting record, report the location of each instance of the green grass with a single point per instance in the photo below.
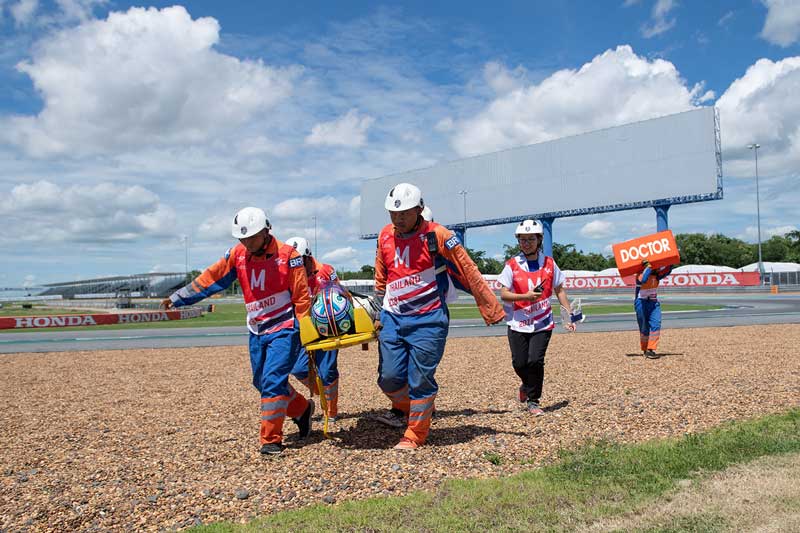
(233, 314)
(597, 481)
(471, 311)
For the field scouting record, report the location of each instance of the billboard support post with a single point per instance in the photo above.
(662, 218)
(547, 242)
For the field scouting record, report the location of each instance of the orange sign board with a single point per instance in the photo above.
(658, 248)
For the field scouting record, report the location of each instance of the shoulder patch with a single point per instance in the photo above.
(228, 253)
(333, 275)
(452, 242)
(295, 262)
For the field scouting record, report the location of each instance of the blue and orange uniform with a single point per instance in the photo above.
(415, 318)
(326, 361)
(275, 292)
(648, 309)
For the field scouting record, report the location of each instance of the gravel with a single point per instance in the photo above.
(166, 439)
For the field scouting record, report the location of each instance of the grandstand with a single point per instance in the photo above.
(155, 285)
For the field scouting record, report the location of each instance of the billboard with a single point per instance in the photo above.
(668, 160)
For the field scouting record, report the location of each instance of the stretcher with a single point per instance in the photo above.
(363, 333)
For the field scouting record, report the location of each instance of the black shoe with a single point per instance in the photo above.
(272, 448)
(304, 421)
(650, 354)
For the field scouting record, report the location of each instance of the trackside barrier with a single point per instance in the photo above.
(57, 321)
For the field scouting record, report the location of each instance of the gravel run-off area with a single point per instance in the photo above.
(164, 439)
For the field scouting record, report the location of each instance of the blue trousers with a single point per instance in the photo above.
(410, 350)
(272, 357)
(327, 366)
(648, 315)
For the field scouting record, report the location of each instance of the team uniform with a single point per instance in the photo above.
(530, 323)
(648, 309)
(415, 318)
(276, 294)
(326, 361)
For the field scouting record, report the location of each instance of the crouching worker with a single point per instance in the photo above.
(414, 321)
(275, 294)
(319, 275)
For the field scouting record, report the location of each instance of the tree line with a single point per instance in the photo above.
(695, 249)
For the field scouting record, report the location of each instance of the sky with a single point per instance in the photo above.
(131, 134)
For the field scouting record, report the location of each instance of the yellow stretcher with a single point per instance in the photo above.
(312, 341)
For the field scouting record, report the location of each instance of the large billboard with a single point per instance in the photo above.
(668, 160)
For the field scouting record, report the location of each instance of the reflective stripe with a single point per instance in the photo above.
(281, 414)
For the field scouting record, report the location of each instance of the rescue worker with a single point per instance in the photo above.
(275, 293)
(528, 281)
(319, 275)
(648, 308)
(414, 320)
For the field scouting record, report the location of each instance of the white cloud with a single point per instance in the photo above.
(77, 213)
(348, 130)
(725, 19)
(782, 25)
(305, 208)
(146, 77)
(659, 19)
(762, 106)
(616, 87)
(24, 11)
(502, 80)
(751, 232)
(355, 207)
(598, 229)
(215, 228)
(340, 255)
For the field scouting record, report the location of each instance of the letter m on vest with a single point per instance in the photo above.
(257, 281)
(401, 257)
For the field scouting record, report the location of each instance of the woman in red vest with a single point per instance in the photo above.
(528, 281)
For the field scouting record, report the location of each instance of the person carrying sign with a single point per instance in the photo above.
(648, 309)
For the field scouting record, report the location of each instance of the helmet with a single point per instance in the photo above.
(300, 244)
(529, 226)
(248, 222)
(404, 196)
(427, 214)
(332, 312)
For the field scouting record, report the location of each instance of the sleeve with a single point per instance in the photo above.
(214, 279)
(506, 278)
(663, 272)
(380, 271)
(558, 276)
(646, 274)
(451, 249)
(298, 286)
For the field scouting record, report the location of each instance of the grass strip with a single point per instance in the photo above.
(596, 481)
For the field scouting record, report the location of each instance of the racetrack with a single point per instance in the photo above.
(735, 310)
(158, 438)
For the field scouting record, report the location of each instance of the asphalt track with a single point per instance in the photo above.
(735, 310)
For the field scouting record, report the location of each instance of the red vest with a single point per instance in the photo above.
(528, 316)
(411, 287)
(265, 286)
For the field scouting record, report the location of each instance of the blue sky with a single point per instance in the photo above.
(123, 128)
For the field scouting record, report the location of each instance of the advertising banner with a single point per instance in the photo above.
(58, 321)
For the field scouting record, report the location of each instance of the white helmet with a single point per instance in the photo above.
(404, 196)
(248, 222)
(527, 227)
(427, 214)
(300, 244)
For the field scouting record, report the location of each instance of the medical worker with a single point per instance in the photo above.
(528, 281)
(319, 275)
(648, 308)
(275, 292)
(414, 320)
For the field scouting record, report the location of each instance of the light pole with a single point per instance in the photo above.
(463, 192)
(754, 147)
(315, 235)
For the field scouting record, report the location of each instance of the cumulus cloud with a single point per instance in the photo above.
(751, 232)
(340, 255)
(616, 87)
(145, 77)
(659, 19)
(77, 213)
(782, 25)
(23, 11)
(762, 106)
(305, 208)
(348, 130)
(598, 229)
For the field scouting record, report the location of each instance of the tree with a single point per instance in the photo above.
(486, 265)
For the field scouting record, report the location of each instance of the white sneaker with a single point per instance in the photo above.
(393, 417)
